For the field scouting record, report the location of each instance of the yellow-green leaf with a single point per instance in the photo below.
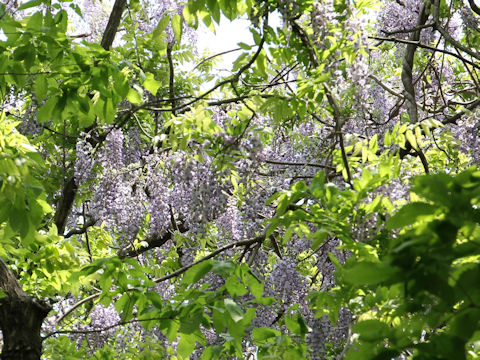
(411, 139)
(177, 25)
(151, 84)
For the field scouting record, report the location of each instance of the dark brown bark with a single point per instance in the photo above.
(113, 23)
(408, 62)
(64, 204)
(474, 7)
(153, 241)
(21, 318)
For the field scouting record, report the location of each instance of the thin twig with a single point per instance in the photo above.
(75, 306)
(180, 271)
(93, 331)
(423, 46)
(291, 163)
(214, 56)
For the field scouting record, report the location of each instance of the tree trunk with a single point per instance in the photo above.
(21, 318)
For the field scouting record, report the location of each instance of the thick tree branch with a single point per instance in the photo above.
(21, 317)
(474, 7)
(9, 284)
(453, 119)
(255, 240)
(113, 23)
(385, 87)
(153, 241)
(407, 74)
(82, 230)
(408, 62)
(408, 31)
(65, 203)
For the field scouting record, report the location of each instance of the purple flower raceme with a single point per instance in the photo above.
(84, 161)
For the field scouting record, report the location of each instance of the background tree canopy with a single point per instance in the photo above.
(318, 200)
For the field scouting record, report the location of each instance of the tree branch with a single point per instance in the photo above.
(171, 76)
(76, 305)
(153, 241)
(113, 23)
(450, 39)
(290, 163)
(408, 62)
(90, 222)
(93, 331)
(248, 242)
(338, 130)
(9, 284)
(214, 56)
(423, 46)
(453, 119)
(474, 7)
(65, 203)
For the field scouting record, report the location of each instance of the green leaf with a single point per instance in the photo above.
(44, 114)
(465, 323)
(373, 144)
(234, 286)
(186, 345)
(134, 97)
(19, 221)
(273, 224)
(151, 84)
(125, 305)
(223, 268)
(177, 25)
(163, 23)
(435, 188)
(260, 335)
(156, 299)
(368, 273)
(160, 40)
(121, 85)
(261, 63)
(244, 46)
(411, 139)
(410, 214)
(319, 238)
(255, 285)
(284, 201)
(191, 323)
(233, 309)
(214, 10)
(30, 4)
(219, 319)
(296, 324)
(190, 16)
(371, 330)
(197, 272)
(77, 9)
(172, 329)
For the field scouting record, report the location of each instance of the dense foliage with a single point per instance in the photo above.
(318, 200)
